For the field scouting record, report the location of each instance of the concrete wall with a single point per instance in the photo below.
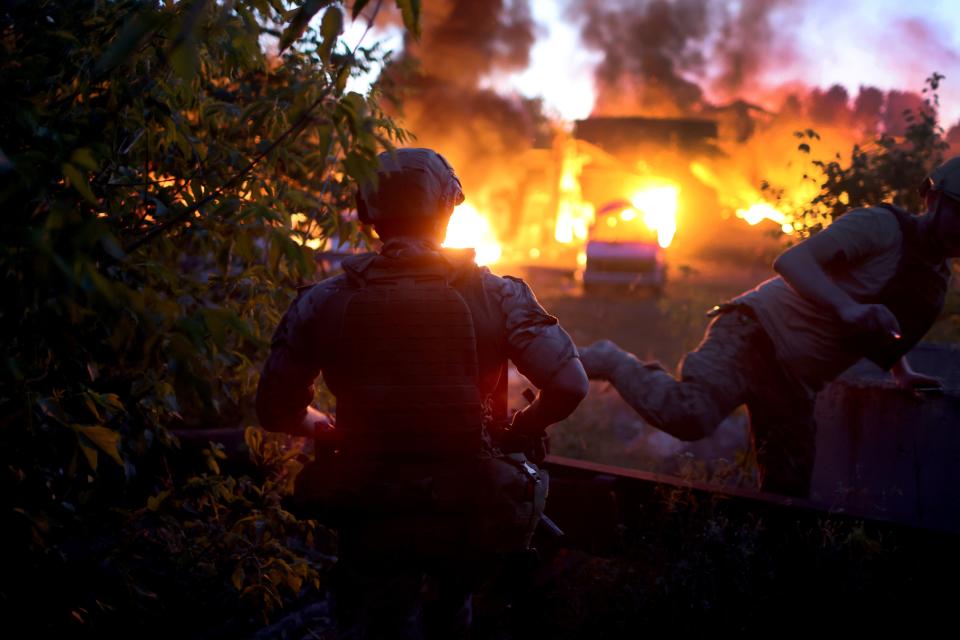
(888, 453)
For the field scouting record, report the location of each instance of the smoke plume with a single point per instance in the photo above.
(447, 100)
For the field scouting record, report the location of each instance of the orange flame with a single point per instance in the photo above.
(574, 215)
(765, 211)
(469, 229)
(659, 208)
(736, 193)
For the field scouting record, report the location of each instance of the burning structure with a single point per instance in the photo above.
(682, 119)
(637, 179)
(609, 198)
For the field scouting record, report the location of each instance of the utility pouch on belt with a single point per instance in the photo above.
(514, 503)
(489, 506)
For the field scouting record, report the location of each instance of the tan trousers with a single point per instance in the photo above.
(735, 364)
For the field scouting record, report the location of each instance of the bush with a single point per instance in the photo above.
(164, 184)
(889, 169)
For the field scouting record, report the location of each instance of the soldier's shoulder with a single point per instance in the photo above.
(510, 291)
(502, 285)
(311, 298)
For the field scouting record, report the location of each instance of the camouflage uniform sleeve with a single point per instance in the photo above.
(297, 355)
(536, 343)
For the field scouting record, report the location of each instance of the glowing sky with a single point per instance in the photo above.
(889, 44)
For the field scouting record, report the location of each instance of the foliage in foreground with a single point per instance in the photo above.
(887, 169)
(164, 180)
(684, 561)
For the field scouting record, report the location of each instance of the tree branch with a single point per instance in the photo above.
(184, 215)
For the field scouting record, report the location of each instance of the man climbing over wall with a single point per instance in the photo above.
(869, 285)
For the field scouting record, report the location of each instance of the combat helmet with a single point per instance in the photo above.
(411, 183)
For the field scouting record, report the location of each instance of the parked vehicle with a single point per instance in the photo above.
(622, 252)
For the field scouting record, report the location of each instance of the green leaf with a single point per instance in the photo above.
(330, 30)
(216, 325)
(84, 158)
(133, 33)
(342, 76)
(358, 7)
(184, 53)
(410, 10)
(78, 182)
(107, 440)
(300, 21)
(184, 62)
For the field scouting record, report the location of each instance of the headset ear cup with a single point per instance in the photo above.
(454, 189)
(457, 195)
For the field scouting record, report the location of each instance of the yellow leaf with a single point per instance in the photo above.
(78, 182)
(90, 454)
(154, 502)
(295, 583)
(111, 399)
(253, 436)
(105, 439)
(237, 578)
(92, 407)
(84, 158)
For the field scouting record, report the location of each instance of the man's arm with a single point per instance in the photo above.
(284, 394)
(545, 354)
(286, 386)
(802, 267)
(556, 400)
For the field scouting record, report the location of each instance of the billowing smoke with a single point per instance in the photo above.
(647, 47)
(663, 58)
(448, 98)
(686, 57)
(747, 44)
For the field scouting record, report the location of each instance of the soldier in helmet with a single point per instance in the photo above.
(430, 482)
(870, 285)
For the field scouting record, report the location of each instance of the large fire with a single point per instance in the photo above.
(659, 208)
(649, 212)
(576, 191)
(736, 193)
(765, 211)
(469, 229)
(574, 215)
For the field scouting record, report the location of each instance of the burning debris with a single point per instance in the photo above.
(686, 127)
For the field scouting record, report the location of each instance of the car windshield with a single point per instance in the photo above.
(624, 224)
